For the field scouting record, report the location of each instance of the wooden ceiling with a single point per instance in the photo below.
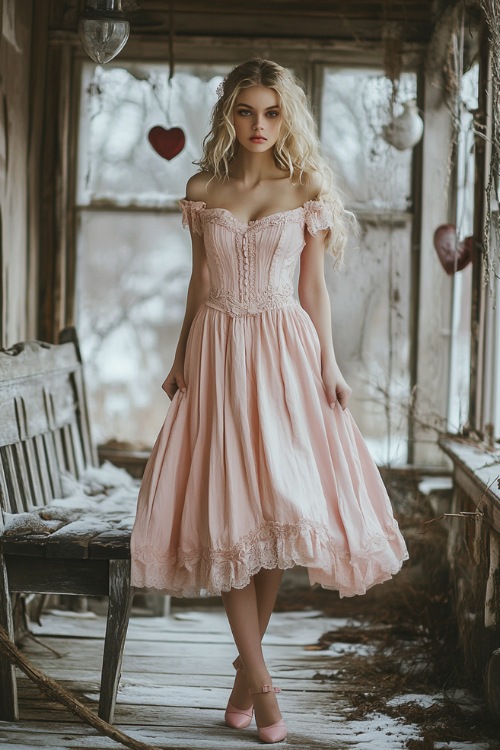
(329, 20)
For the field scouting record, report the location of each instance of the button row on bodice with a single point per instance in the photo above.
(250, 275)
(246, 266)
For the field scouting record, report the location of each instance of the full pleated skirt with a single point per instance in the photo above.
(253, 469)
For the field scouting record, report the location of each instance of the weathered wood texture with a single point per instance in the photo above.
(45, 430)
(432, 302)
(57, 273)
(177, 675)
(338, 19)
(8, 686)
(474, 556)
(482, 157)
(177, 678)
(16, 22)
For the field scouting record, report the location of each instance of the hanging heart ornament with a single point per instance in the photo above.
(167, 143)
(453, 257)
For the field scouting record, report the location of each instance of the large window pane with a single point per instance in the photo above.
(119, 105)
(131, 295)
(371, 297)
(355, 107)
(132, 283)
(134, 265)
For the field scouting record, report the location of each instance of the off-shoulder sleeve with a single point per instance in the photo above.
(191, 215)
(318, 215)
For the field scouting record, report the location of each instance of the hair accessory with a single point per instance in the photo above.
(220, 88)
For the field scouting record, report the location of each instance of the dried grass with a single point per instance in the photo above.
(410, 625)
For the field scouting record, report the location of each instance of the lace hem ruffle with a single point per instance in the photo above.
(273, 545)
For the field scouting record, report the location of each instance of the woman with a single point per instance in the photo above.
(259, 465)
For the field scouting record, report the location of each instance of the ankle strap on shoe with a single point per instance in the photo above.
(264, 689)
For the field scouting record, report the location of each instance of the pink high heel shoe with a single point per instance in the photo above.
(238, 718)
(274, 732)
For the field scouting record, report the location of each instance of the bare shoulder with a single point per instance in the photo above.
(315, 185)
(196, 188)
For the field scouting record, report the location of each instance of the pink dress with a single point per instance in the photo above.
(252, 468)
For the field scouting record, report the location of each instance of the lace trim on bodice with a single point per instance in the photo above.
(315, 214)
(269, 299)
(244, 297)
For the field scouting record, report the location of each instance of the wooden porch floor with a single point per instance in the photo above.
(175, 681)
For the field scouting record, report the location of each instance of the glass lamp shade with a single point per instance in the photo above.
(103, 38)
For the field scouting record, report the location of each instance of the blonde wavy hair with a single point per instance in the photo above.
(297, 150)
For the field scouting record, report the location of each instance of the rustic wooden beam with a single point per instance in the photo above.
(155, 12)
(56, 576)
(482, 153)
(52, 268)
(38, 79)
(291, 7)
(432, 308)
(415, 281)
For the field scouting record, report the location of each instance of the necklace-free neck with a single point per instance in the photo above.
(250, 169)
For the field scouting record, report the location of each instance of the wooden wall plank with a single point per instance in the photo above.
(15, 113)
(53, 207)
(37, 91)
(482, 145)
(433, 306)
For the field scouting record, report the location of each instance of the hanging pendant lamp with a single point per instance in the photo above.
(103, 29)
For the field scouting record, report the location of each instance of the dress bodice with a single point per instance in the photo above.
(252, 266)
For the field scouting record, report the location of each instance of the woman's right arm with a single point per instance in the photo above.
(197, 293)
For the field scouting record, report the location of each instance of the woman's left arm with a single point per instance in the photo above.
(315, 300)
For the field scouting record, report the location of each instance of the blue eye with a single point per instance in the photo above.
(273, 114)
(244, 112)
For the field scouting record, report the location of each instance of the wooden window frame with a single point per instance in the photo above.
(308, 57)
(485, 330)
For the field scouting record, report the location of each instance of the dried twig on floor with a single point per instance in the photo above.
(55, 692)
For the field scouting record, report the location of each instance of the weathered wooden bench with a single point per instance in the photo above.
(44, 428)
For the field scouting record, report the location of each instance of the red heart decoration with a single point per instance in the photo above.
(167, 143)
(453, 257)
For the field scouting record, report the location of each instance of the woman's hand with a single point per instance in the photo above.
(336, 387)
(175, 380)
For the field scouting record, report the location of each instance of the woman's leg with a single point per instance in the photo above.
(267, 583)
(265, 586)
